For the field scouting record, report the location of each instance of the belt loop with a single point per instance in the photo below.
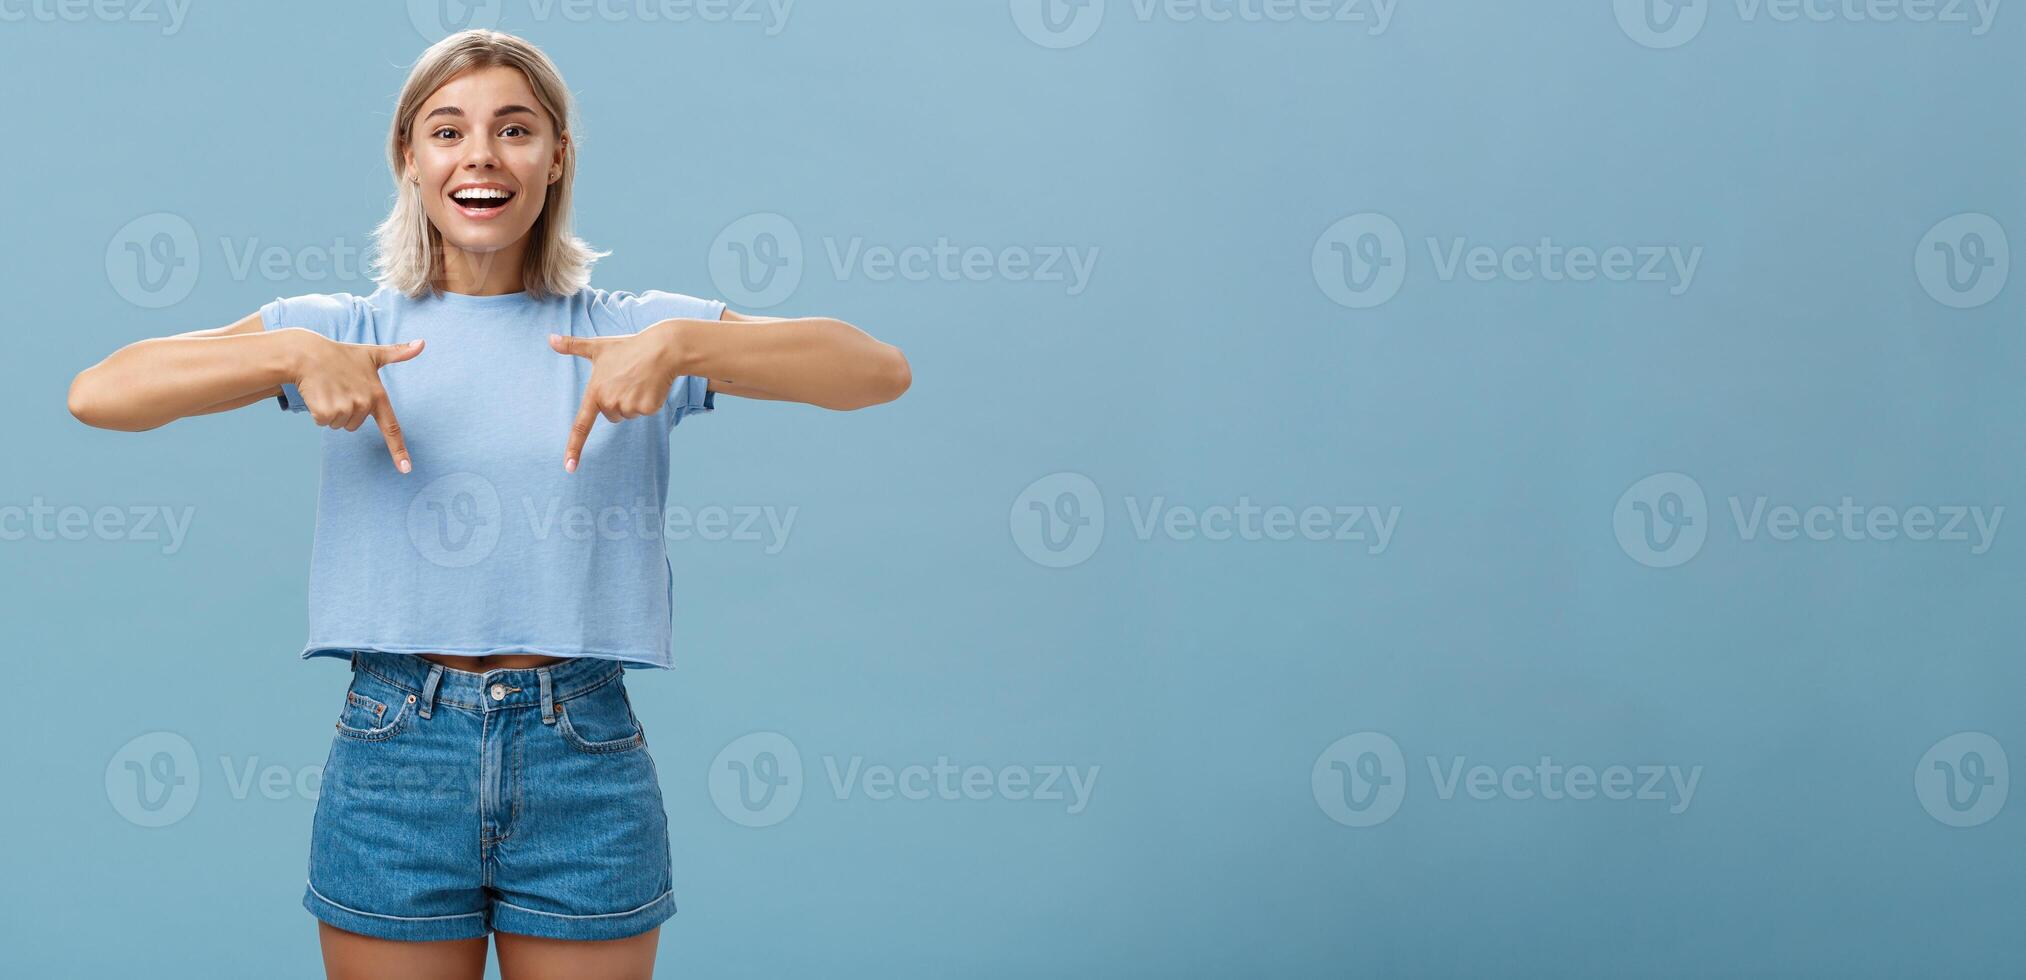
(429, 688)
(548, 703)
(355, 661)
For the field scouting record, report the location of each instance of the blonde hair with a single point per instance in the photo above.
(408, 249)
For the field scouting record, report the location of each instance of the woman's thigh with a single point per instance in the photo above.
(350, 956)
(536, 958)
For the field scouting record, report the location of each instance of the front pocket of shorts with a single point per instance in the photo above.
(374, 710)
(601, 721)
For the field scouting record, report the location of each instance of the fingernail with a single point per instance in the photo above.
(570, 465)
(402, 465)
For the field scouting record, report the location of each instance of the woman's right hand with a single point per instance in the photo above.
(340, 385)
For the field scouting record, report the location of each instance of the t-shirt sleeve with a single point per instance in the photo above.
(634, 312)
(335, 316)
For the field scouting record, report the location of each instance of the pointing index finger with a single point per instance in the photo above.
(580, 430)
(390, 427)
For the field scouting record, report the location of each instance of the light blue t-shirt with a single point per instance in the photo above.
(487, 546)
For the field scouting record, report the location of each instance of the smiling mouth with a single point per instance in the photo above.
(481, 199)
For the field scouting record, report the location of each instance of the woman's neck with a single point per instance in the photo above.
(482, 273)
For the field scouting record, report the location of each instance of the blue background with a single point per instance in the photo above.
(903, 619)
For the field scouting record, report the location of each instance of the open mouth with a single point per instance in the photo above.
(481, 200)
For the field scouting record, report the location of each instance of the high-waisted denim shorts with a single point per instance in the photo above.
(456, 803)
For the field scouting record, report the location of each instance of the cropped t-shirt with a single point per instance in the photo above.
(487, 545)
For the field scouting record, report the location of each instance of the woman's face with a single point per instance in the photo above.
(484, 152)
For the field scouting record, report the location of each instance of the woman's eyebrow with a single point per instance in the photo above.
(451, 110)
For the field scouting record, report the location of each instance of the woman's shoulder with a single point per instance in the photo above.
(374, 298)
(337, 315)
(595, 296)
(623, 311)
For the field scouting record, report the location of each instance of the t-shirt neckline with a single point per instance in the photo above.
(468, 299)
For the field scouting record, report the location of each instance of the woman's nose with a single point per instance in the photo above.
(481, 154)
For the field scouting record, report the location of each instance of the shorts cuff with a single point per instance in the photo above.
(470, 925)
(508, 917)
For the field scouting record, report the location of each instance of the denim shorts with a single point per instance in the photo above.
(456, 803)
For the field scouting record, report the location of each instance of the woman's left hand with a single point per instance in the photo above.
(630, 377)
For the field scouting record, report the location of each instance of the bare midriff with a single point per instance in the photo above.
(498, 661)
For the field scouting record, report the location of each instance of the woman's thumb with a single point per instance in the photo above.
(396, 353)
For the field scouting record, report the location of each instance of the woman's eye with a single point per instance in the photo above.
(511, 129)
(440, 134)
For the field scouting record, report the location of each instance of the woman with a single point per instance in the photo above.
(488, 774)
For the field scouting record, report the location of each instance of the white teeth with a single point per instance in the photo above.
(481, 194)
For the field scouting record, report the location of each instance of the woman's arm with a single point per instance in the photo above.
(150, 383)
(814, 360)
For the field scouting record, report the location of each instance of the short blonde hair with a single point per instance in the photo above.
(408, 249)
